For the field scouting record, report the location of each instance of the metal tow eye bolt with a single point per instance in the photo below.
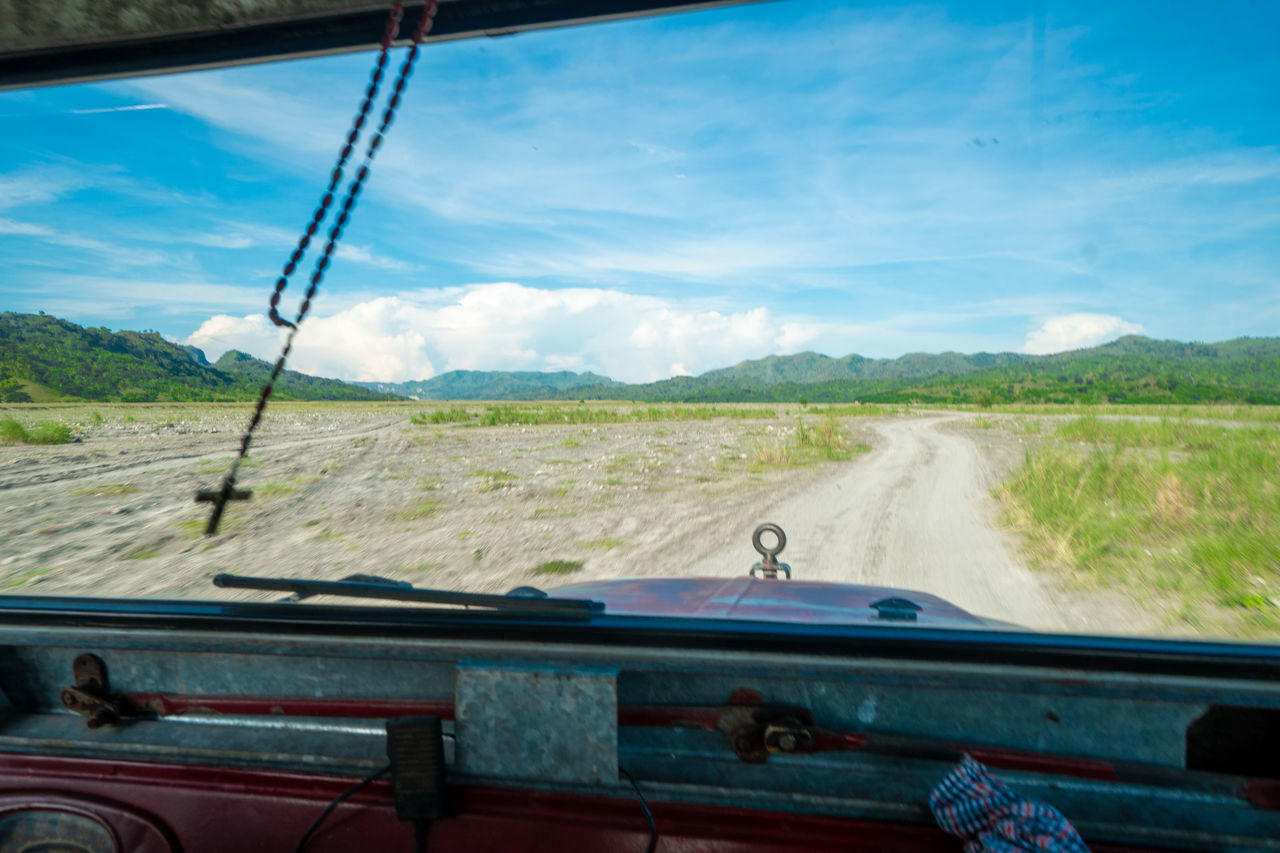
(769, 566)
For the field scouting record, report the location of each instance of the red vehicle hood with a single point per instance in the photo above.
(771, 600)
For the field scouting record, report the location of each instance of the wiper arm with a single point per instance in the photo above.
(395, 591)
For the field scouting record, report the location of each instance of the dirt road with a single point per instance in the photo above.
(343, 489)
(917, 514)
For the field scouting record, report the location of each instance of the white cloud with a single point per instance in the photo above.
(22, 229)
(1077, 331)
(36, 186)
(111, 252)
(363, 255)
(507, 326)
(223, 241)
(127, 109)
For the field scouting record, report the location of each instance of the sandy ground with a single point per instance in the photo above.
(341, 489)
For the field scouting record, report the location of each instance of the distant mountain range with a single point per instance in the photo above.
(43, 357)
(1132, 369)
(492, 385)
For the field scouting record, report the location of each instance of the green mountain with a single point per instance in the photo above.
(45, 357)
(493, 385)
(1132, 369)
(813, 367)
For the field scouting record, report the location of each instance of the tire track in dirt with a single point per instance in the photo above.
(76, 468)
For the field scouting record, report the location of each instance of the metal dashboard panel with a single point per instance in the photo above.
(556, 725)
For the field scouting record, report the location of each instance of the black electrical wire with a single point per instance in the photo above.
(347, 794)
(648, 815)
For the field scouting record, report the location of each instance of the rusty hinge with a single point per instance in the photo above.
(92, 697)
(757, 730)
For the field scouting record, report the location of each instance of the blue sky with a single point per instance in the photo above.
(679, 193)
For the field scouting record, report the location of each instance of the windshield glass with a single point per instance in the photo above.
(973, 300)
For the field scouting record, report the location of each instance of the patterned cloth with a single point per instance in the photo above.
(976, 806)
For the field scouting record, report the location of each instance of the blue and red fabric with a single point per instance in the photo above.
(978, 807)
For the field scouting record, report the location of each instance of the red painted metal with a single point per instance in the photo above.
(132, 830)
(1035, 762)
(213, 809)
(767, 600)
(166, 704)
(210, 809)
(1262, 793)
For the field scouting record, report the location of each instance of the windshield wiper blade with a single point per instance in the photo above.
(304, 588)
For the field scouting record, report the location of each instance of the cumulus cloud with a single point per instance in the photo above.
(1077, 331)
(508, 326)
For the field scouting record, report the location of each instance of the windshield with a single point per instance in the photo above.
(973, 300)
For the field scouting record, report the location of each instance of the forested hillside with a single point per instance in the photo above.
(43, 356)
(48, 358)
(1132, 369)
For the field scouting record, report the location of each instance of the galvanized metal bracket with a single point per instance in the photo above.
(543, 725)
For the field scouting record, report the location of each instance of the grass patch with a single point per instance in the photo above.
(22, 578)
(498, 478)
(107, 490)
(1259, 414)
(1186, 509)
(552, 512)
(451, 415)
(771, 453)
(422, 509)
(823, 441)
(215, 466)
(557, 567)
(826, 439)
(1169, 434)
(192, 527)
(603, 544)
(273, 490)
(143, 555)
(582, 414)
(853, 410)
(13, 431)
